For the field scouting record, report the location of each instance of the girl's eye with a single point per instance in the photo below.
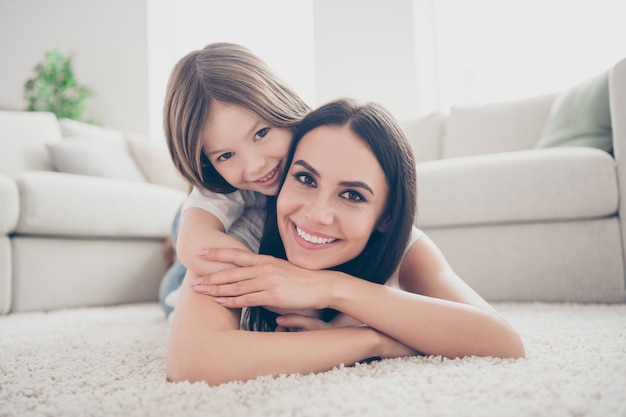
(352, 196)
(225, 156)
(261, 133)
(305, 179)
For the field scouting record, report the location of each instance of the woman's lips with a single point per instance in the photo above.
(312, 241)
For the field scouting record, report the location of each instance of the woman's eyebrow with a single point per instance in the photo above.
(307, 166)
(355, 184)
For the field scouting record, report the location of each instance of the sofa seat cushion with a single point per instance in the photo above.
(9, 205)
(512, 187)
(59, 204)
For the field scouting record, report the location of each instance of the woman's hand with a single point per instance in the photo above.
(391, 348)
(262, 280)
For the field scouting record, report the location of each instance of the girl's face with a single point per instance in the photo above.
(245, 150)
(332, 199)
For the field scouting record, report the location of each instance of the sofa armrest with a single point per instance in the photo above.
(9, 205)
(617, 97)
(59, 204)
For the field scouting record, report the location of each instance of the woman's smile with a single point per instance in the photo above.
(312, 240)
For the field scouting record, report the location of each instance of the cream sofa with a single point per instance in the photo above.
(520, 220)
(91, 235)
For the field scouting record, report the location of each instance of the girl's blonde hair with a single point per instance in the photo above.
(228, 73)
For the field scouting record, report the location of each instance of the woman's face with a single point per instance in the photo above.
(332, 200)
(245, 150)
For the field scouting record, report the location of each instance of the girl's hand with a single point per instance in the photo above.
(262, 280)
(300, 323)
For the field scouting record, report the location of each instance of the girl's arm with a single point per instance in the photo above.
(434, 312)
(206, 345)
(201, 229)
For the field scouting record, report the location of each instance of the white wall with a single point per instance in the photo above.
(365, 49)
(279, 31)
(124, 50)
(108, 40)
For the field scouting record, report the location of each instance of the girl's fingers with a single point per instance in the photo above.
(302, 323)
(234, 256)
(229, 290)
(226, 276)
(248, 300)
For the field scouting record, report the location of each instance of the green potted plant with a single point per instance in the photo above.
(54, 88)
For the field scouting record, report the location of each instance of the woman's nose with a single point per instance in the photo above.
(319, 210)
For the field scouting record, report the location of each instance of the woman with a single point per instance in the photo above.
(338, 208)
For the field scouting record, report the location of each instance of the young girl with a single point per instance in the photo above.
(228, 123)
(355, 218)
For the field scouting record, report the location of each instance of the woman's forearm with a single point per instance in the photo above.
(426, 324)
(206, 345)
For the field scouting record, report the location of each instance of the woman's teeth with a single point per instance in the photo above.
(313, 239)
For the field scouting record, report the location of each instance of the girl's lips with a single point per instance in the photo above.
(270, 178)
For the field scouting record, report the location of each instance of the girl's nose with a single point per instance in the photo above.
(253, 166)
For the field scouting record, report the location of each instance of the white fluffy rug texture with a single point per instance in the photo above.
(111, 362)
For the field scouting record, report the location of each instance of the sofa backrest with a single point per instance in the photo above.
(496, 127)
(23, 136)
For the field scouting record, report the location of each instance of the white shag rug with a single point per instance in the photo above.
(111, 362)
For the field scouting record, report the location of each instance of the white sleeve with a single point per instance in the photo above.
(226, 207)
(394, 279)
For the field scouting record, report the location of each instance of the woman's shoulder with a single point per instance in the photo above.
(416, 234)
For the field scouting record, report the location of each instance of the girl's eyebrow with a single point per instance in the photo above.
(354, 184)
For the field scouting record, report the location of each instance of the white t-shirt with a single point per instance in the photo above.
(241, 212)
(394, 280)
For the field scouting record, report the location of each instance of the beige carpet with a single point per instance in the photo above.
(111, 362)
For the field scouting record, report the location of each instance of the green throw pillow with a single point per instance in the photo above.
(581, 116)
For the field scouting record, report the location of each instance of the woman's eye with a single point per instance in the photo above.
(352, 196)
(225, 156)
(261, 133)
(305, 179)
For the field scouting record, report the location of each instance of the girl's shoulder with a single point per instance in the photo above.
(252, 199)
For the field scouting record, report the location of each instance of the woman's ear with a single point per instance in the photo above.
(383, 225)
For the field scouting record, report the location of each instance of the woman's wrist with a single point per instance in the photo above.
(337, 289)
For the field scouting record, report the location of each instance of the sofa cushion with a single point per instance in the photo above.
(425, 135)
(9, 205)
(533, 185)
(581, 116)
(155, 162)
(23, 136)
(98, 157)
(81, 130)
(497, 127)
(60, 204)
